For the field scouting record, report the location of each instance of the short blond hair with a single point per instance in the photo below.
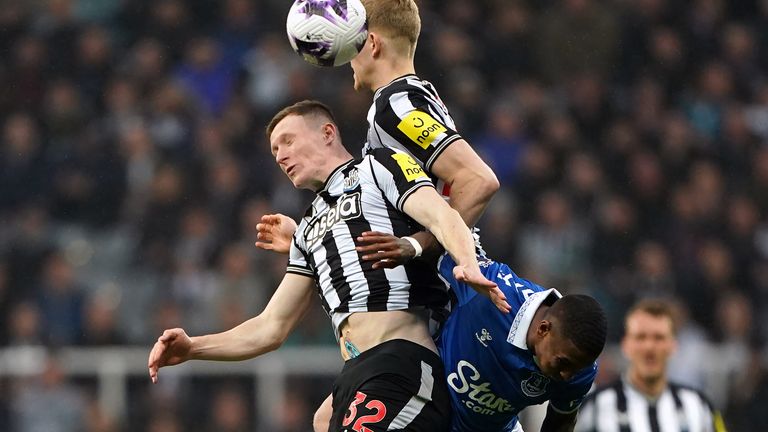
(395, 18)
(657, 308)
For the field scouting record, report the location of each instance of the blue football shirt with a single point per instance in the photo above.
(491, 373)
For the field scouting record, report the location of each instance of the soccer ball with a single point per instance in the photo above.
(327, 32)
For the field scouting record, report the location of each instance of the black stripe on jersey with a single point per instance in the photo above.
(313, 264)
(378, 285)
(339, 282)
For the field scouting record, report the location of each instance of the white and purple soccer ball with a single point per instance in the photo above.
(327, 32)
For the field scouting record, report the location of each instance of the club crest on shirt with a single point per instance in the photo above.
(351, 181)
(535, 385)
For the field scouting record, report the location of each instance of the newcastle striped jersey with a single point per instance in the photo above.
(620, 407)
(408, 115)
(364, 195)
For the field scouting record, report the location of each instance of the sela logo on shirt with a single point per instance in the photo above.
(480, 399)
(535, 385)
(421, 128)
(347, 207)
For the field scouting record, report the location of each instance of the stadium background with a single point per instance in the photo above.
(630, 137)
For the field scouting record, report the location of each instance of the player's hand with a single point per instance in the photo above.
(474, 278)
(275, 232)
(172, 347)
(386, 250)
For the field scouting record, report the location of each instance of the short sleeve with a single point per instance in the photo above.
(297, 261)
(418, 125)
(397, 175)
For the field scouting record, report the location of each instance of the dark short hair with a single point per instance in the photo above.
(657, 308)
(303, 108)
(582, 320)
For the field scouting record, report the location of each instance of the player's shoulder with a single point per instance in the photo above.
(681, 389)
(379, 153)
(406, 83)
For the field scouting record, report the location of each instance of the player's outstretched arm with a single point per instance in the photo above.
(259, 335)
(430, 210)
(275, 232)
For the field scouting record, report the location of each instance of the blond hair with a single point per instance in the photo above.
(395, 19)
(656, 308)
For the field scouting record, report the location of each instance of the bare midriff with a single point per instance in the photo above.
(365, 330)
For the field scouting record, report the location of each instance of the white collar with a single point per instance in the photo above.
(519, 330)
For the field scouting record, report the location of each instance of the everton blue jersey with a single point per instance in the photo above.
(491, 373)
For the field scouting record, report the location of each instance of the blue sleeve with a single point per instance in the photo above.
(515, 288)
(570, 398)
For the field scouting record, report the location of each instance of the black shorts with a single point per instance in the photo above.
(395, 386)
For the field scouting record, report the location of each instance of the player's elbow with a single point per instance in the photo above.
(273, 337)
(479, 180)
(488, 184)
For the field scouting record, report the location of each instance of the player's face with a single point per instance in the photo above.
(361, 66)
(648, 343)
(297, 144)
(558, 358)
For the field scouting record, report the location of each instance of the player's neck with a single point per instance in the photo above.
(650, 387)
(391, 70)
(333, 163)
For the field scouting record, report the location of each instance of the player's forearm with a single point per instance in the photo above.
(452, 233)
(248, 340)
(469, 197)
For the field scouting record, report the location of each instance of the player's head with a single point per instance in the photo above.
(393, 31)
(571, 336)
(649, 338)
(305, 142)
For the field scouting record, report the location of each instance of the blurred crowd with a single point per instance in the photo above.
(630, 138)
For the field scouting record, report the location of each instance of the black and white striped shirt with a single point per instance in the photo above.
(363, 195)
(620, 407)
(408, 115)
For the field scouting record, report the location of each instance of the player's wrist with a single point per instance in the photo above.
(418, 250)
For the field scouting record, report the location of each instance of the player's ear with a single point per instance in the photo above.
(544, 328)
(375, 40)
(329, 132)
